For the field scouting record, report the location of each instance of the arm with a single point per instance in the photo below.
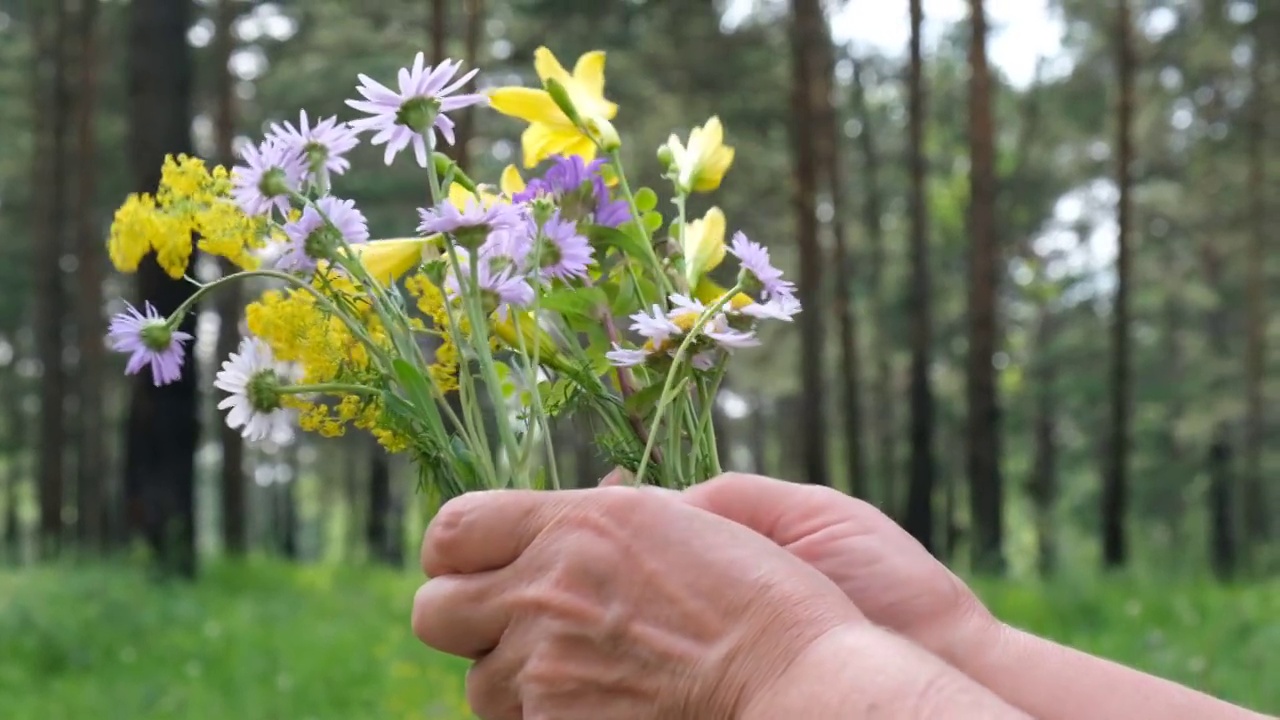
(863, 671)
(1053, 682)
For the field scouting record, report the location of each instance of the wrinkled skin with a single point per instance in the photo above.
(889, 576)
(615, 603)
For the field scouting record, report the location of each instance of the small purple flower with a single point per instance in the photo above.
(705, 360)
(147, 338)
(323, 145)
(498, 280)
(754, 259)
(311, 238)
(782, 306)
(654, 325)
(579, 189)
(683, 305)
(473, 224)
(566, 254)
(409, 114)
(717, 328)
(272, 171)
(623, 357)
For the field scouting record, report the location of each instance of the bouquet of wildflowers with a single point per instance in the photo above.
(460, 345)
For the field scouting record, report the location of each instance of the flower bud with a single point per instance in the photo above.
(560, 96)
(665, 156)
(603, 132)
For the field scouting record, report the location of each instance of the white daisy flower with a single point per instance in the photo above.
(254, 377)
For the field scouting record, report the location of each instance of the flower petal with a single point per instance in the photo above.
(548, 67)
(534, 106)
(589, 71)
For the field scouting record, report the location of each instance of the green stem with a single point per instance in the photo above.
(667, 289)
(706, 425)
(329, 389)
(665, 398)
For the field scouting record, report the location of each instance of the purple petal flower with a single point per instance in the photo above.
(567, 253)
(717, 328)
(497, 277)
(420, 105)
(705, 360)
(271, 172)
(782, 306)
(622, 357)
(149, 341)
(323, 145)
(579, 189)
(654, 325)
(754, 259)
(475, 219)
(312, 239)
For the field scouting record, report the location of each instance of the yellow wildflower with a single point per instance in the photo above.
(550, 131)
(703, 245)
(444, 371)
(132, 231)
(511, 183)
(708, 292)
(700, 165)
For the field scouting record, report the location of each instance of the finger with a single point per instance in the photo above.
(492, 686)
(781, 511)
(462, 615)
(618, 476)
(488, 530)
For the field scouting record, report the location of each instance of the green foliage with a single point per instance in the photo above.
(264, 640)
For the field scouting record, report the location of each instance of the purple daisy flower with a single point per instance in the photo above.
(717, 328)
(654, 325)
(421, 104)
(566, 254)
(272, 171)
(754, 259)
(782, 306)
(705, 360)
(579, 189)
(475, 222)
(623, 357)
(311, 238)
(323, 145)
(497, 279)
(147, 338)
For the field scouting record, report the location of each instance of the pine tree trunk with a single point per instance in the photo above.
(881, 348)
(918, 518)
(438, 31)
(162, 426)
(91, 461)
(985, 268)
(383, 545)
(1256, 516)
(15, 438)
(1044, 481)
(807, 32)
(1223, 543)
(472, 43)
(227, 302)
(1177, 473)
(759, 432)
(52, 101)
(1115, 490)
(829, 148)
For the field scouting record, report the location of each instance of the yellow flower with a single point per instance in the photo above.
(386, 261)
(132, 231)
(529, 336)
(708, 292)
(550, 131)
(701, 165)
(703, 245)
(511, 183)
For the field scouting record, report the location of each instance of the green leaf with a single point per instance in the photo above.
(646, 199)
(413, 382)
(629, 243)
(576, 302)
(643, 401)
(652, 221)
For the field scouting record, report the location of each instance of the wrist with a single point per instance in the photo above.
(860, 670)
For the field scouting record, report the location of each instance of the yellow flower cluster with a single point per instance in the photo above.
(444, 371)
(299, 330)
(190, 199)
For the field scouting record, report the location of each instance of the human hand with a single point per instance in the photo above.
(615, 602)
(892, 579)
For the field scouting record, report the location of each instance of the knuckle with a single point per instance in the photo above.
(491, 691)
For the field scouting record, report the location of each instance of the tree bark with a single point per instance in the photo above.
(1115, 489)
(91, 454)
(15, 438)
(384, 547)
(1256, 515)
(829, 148)
(918, 518)
(52, 101)
(227, 302)
(438, 30)
(986, 493)
(881, 349)
(1044, 481)
(806, 32)
(162, 426)
(1223, 544)
(475, 12)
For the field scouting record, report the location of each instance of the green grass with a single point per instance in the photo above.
(267, 641)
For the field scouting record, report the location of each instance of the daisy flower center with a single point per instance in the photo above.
(263, 391)
(321, 243)
(274, 182)
(418, 114)
(156, 335)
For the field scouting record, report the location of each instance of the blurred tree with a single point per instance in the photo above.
(385, 545)
(985, 267)
(808, 34)
(918, 515)
(51, 24)
(162, 427)
(90, 267)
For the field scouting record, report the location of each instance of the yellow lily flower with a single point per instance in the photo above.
(511, 183)
(530, 335)
(708, 292)
(701, 165)
(385, 260)
(550, 131)
(703, 245)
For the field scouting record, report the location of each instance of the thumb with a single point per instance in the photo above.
(781, 511)
(616, 477)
